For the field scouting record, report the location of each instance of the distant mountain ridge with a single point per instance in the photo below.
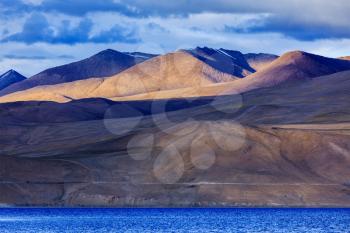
(102, 64)
(9, 78)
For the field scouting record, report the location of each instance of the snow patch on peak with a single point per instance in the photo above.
(6, 74)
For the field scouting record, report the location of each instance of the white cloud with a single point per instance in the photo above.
(211, 21)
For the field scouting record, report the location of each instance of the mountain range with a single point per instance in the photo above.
(191, 73)
(102, 64)
(110, 62)
(198, 127)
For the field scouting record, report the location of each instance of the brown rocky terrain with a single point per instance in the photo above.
(279, 146)
(83, 164)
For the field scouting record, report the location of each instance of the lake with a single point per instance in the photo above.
(173, 220)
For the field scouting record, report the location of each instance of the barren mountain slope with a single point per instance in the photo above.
(298, 65)
(212, 162)
(167, 72)
(106, 63)
(289, 68)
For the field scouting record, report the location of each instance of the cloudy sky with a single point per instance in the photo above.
(38, 34)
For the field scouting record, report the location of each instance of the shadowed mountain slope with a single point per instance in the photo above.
(102, 64)
(318, 100)
(259, 60)
(228, 61)
(9, 78)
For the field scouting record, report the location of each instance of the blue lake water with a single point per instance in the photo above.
(174, 220)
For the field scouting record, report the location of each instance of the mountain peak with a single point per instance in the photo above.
(204, 49)
(110, 53)
(10, 77)
(298, 66)
(7, 73)
(311, 61)
(11, 73)
(297, 54)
